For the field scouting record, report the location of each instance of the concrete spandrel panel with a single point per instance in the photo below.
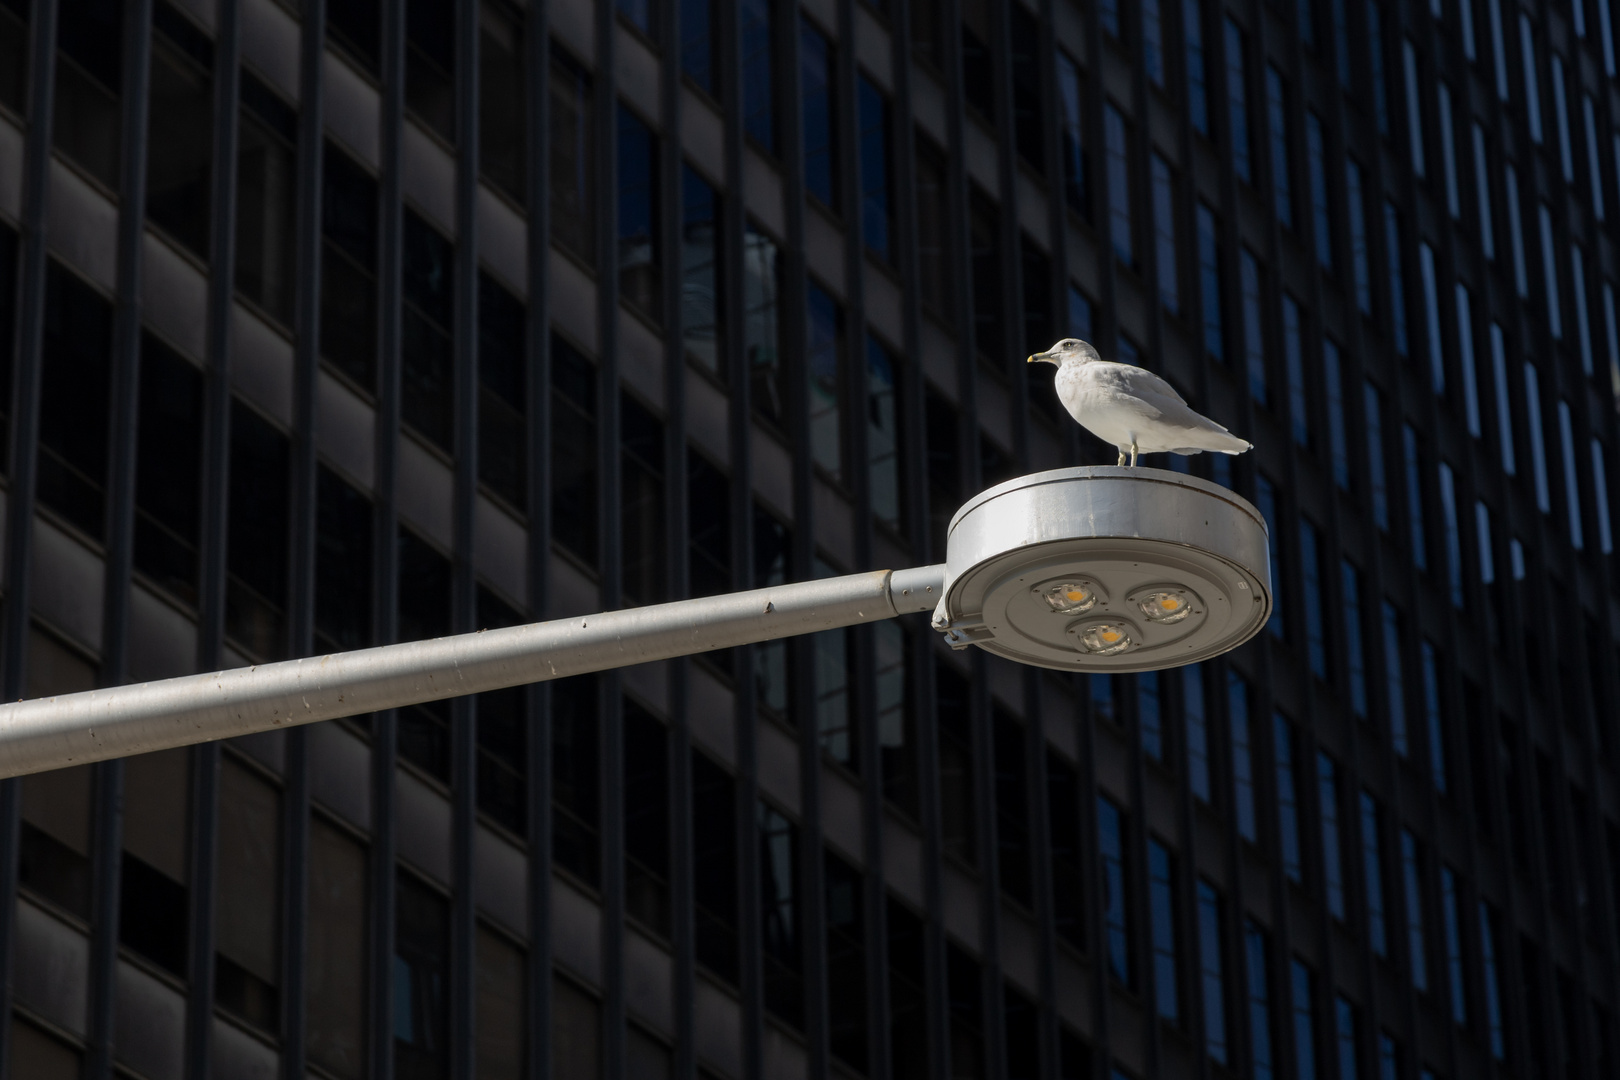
(344, 426)
(422, 825)
(501, 881)
(268, 748)
(149, 1024)
(576, 931)
(66, 584)
(500, 550)
(340, 772)
(784, 1055)
(11, 155)
(423, 491)
(648, 982)
(708, 416)
(81, 226)
(270, 44)
(261, 364)
(351, 108)
(162, 642)
(573, 300)
(430, 179)
(240, 1056)
(961, 905)
(174, 298)
(779, 765)
(1019, 948)
(51, 971)
(841, 814)
(650, 683)
(902, 861)
(712, 715)
(717, 1027)
(503, 241)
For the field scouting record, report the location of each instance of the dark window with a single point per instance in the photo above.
(1294, 359)
(1434, 717)
(257, 535)
(895, 706)
(575, 785)
(1021, 1021)
(266, 199)
(1454, 954)
(826, 360)
(714, 866)
(503, 733)
(153, 886)
(1359, 256)
(1075, 189)
(1412, 876)
(247, 965)
(1121, 194)
(573, 451)
(640, 234)
(1196, 724)
(978, 69)
(836, 726)
(1310, 565)
(1192, 25)
(1372, 871)
(430, 63)
(1166, 254)
(53, 854)
(817, 65)
(89, 77)
(1260, 1048)
(1321, 208)
(1254, 339)
(1377, 484)
(1375, 47)
(759, 72)
(762, 286)
(572, 177)
(1029, 127)
(1039, 325)
(421, 980)
(1304, 1022)
(642, 14)
(934, 230)
(342, 564)
(576, 1032)
(877, 221)
(349, 267)
(503, 389)
(356, 25)
(168, 469)
(846, 961)
(957, 819)
(1237, 101)
(502, 1009)
(74, 398)
(1333, 389)
(928, 33)
(884, 475)
(1287, 798)
(1237, 705)
(1111, 841)
(336, 943)
(698, 42)
(1209, 283)
(1063, 826)
(908, 998)
(702, 284)
(709, 519)
(1281, 165)
(779, 914)
(641, 502)
(424, 613)
(963, 985)
(772, 566)
(1149, 718)
(1212, 976)
(646, 817)
(14, 56)
(944, 465)
(180, 130)
(1411, 446)
(8, 300)
(1397, 286)
(1012, 809)
(427, 390)
(1162, 905)
(503, 103)
(989, 327)
(1327, 789)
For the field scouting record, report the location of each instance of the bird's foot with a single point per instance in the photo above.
(1133, 455)
(1121, 460)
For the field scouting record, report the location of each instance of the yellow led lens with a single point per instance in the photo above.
(1165, 606)
(1105, 639)
(1070, 597)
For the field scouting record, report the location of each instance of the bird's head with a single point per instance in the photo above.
(1066, 351)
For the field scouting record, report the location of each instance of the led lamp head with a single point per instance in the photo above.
(1071, 597)
(1166, 605)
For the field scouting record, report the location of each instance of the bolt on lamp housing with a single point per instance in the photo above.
(1105, 569)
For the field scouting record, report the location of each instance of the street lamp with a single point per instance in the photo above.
(1087, 569)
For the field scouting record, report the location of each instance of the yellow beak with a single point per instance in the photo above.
(1039, 356)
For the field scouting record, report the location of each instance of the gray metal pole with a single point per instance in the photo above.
(49, 733)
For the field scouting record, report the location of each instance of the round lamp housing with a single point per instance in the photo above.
(1105, 568)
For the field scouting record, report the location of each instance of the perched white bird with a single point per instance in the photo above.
(1131, 407)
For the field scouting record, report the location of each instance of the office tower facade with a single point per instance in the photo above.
(331, 323)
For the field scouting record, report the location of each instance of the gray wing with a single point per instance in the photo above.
(1158, 397)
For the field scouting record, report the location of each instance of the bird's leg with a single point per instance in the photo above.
(1121, 460)
(1133, 453)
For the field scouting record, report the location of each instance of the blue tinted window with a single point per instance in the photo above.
(1237, 698)
(1344, 1016)
(883, 442)
(1394, 680)
(1410, 448)
(1310, 567)
(700, 270)
(1397, 284)
(1373, 873)
(1327, 793)
(1209, 282)
(1355, 658)
(1277, 124)
(1412, 876)
(1299, 423)
(1287, 798)
(1117, 144)
(758, 77)
(1448, 152)
(1074, 160)
(1079, 312)
(1149, 715)
(1492, 980)
(1427, 275)
(1448, 515)
(826, 361)
(1153, 42)
(1237, 99)
(1304, 1026)
(1162, 902)
(1538, 446)
(1260, 1048)
(1254, 342)
(1376, 482)
(1454, 957)
(1196, 723)
(1164, 231)
(1434, 720)
(1321, 210)
(1465, 358)
(1192, 14)
(1521, 274)
(1211, 975)
(1359, 262)
(1341, 41)
(1375, 44)
(1333, 386)
(697, 42)
(1111, 844)
(876, 221)
(816, 65)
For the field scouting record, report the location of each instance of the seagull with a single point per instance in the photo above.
(1131, 407)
